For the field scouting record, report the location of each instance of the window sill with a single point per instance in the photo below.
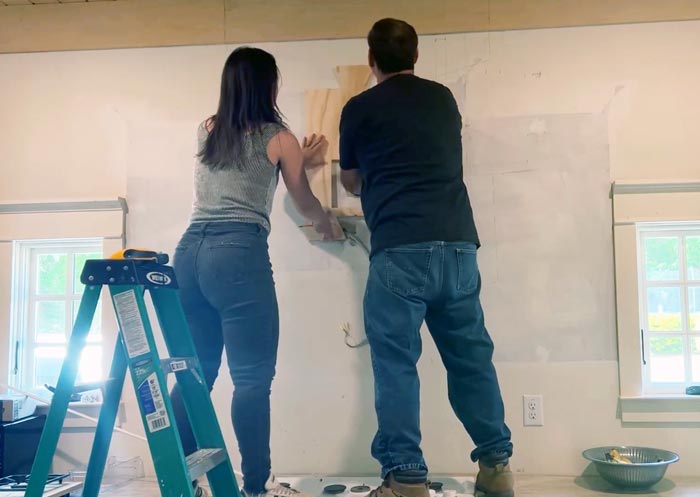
(660, 409)
(91, 409)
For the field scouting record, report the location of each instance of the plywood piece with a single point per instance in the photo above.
(322, 113)
(352, 80)
(313, 236)
(322, 108)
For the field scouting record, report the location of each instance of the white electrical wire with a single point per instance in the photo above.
(345, 327)
(357, 241)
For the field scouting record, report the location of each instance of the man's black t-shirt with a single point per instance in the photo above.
(404, 136)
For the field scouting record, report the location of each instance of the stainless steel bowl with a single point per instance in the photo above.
(648, 466)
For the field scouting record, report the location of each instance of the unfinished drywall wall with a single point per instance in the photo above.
(539, 188)
(102, 124)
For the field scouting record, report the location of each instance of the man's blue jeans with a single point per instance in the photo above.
(439, 283)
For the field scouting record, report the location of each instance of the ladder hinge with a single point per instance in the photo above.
(177, 364)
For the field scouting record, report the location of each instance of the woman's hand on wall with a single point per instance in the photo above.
(314, 149)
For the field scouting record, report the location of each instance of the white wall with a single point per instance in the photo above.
(100, 124)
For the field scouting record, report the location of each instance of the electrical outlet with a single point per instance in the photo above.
(533, 410)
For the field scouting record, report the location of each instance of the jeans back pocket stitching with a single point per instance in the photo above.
(412, 291)
(461, 270)
(223, 245)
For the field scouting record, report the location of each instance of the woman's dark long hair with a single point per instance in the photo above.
(249, 84)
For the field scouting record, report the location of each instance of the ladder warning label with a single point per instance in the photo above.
(151, 399)
(178, 366)
(131, 324)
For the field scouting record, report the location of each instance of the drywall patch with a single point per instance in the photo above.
(539, 187)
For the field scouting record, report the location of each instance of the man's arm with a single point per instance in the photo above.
(351, 181)
(349, 169)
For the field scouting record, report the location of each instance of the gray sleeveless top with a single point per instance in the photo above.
(242, 192)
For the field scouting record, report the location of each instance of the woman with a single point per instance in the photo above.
(222, 262)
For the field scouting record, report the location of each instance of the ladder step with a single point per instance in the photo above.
(204, 460)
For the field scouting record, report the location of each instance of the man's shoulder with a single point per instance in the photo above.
(381, 91)
(362, 99)
(356, 106)
(436, 87)
(369, 98)
(429, 82)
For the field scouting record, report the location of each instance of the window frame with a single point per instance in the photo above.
(23, 340)
(681, 230)
(645, 202)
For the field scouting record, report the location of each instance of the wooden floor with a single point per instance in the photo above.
(527, 486)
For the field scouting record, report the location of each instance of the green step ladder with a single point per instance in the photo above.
(128, 279)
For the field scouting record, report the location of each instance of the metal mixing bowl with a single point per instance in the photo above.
(647, 469)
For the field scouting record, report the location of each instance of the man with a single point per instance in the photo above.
(401, 150)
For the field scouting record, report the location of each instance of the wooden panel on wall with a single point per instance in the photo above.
(520, 14)
(352, 80)
(149, 23)
(259, 20)
(322, 112)
(322, 108)
(121, 24)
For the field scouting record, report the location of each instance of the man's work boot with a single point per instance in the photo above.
(494, 481)
(393, 488)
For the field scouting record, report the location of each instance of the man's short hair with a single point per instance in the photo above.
(393, 45)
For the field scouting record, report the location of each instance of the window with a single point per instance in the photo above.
(656, 226)
(47, 293)
(669, 303)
